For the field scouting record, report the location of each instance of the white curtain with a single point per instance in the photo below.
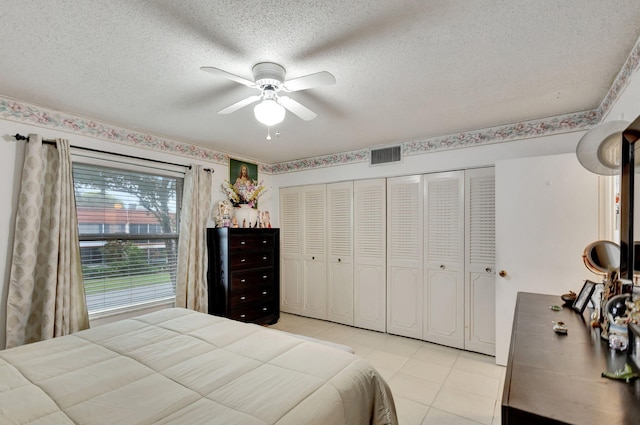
(191, 281)
(46, 292)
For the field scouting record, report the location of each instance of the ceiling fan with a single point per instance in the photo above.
(269, 77)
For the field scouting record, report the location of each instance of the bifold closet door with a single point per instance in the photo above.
(340, 252)
(370, 236)
(291, 288)
(314, 257)
(480, 292)
(444, 258)
(404, 256)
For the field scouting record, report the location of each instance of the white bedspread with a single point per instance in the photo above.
(177, 366)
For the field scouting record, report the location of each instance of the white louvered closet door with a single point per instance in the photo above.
(404, 256)
(444, 258)
(370, 278)
(480, 295)
(340, 252)
(314, 251)
(291, 289)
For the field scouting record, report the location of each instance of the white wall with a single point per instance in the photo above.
(456, 159)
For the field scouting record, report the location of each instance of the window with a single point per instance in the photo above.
(128, 222)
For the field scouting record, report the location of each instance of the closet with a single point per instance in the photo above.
(441, 258)
(410, 255)
(333, 252)
(303, 251)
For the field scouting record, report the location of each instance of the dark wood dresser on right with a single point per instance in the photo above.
(244, 274)
(555, 379)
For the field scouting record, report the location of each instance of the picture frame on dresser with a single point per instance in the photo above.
(584, 296)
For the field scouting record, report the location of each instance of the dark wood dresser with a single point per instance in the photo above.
(555, 379)
(244, 274)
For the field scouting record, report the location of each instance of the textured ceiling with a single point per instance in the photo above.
(405, 69)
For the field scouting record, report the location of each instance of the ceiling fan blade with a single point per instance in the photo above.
(244, 102)
(309, 81)
(295, 107)
(228, 75)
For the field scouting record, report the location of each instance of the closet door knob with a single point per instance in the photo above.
(503, 273)
(488, 270)
(442, 267)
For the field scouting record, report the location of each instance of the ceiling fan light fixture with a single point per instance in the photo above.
(269, 112)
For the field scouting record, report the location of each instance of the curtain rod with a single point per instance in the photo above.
(19, 136)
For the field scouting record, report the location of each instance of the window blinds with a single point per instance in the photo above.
(128, 224)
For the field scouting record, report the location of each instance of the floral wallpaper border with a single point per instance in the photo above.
(15, 110)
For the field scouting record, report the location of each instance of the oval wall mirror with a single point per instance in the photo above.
(602, 257)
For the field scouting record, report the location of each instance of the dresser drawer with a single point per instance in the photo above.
(239, 298)
(251, 279)
(249, 259)
(253, 312)
(254, 241)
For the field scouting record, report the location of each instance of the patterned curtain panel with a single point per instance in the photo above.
(191, 281)
(46, 292)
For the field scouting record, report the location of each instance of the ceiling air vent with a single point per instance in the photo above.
(386, 155)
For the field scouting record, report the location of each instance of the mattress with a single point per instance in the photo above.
(177, 366)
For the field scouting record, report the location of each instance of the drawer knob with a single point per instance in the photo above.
(264, 241)
(243, 298)
(264, 258)
(442, 266)
(488, 270)
(243, 315)
(243, 280)
(264, 277)
(264, 308)
(243, 243)
(264, 292)
(243, 260)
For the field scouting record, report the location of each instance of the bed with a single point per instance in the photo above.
(177, 366)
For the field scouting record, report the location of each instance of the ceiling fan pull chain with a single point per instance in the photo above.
(268, 134)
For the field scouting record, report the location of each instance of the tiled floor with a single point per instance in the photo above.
(431, 384)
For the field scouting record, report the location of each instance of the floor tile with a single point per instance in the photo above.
(387, 360)
(479, 364)
(410, 412)
(371, 338)
(465, 404)
(338, 333)
(431, 384)
(439, 417)
(400, 345)
(426, 370)
(386, 374)
(444, 356)
(473, 383)
(413, 388)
